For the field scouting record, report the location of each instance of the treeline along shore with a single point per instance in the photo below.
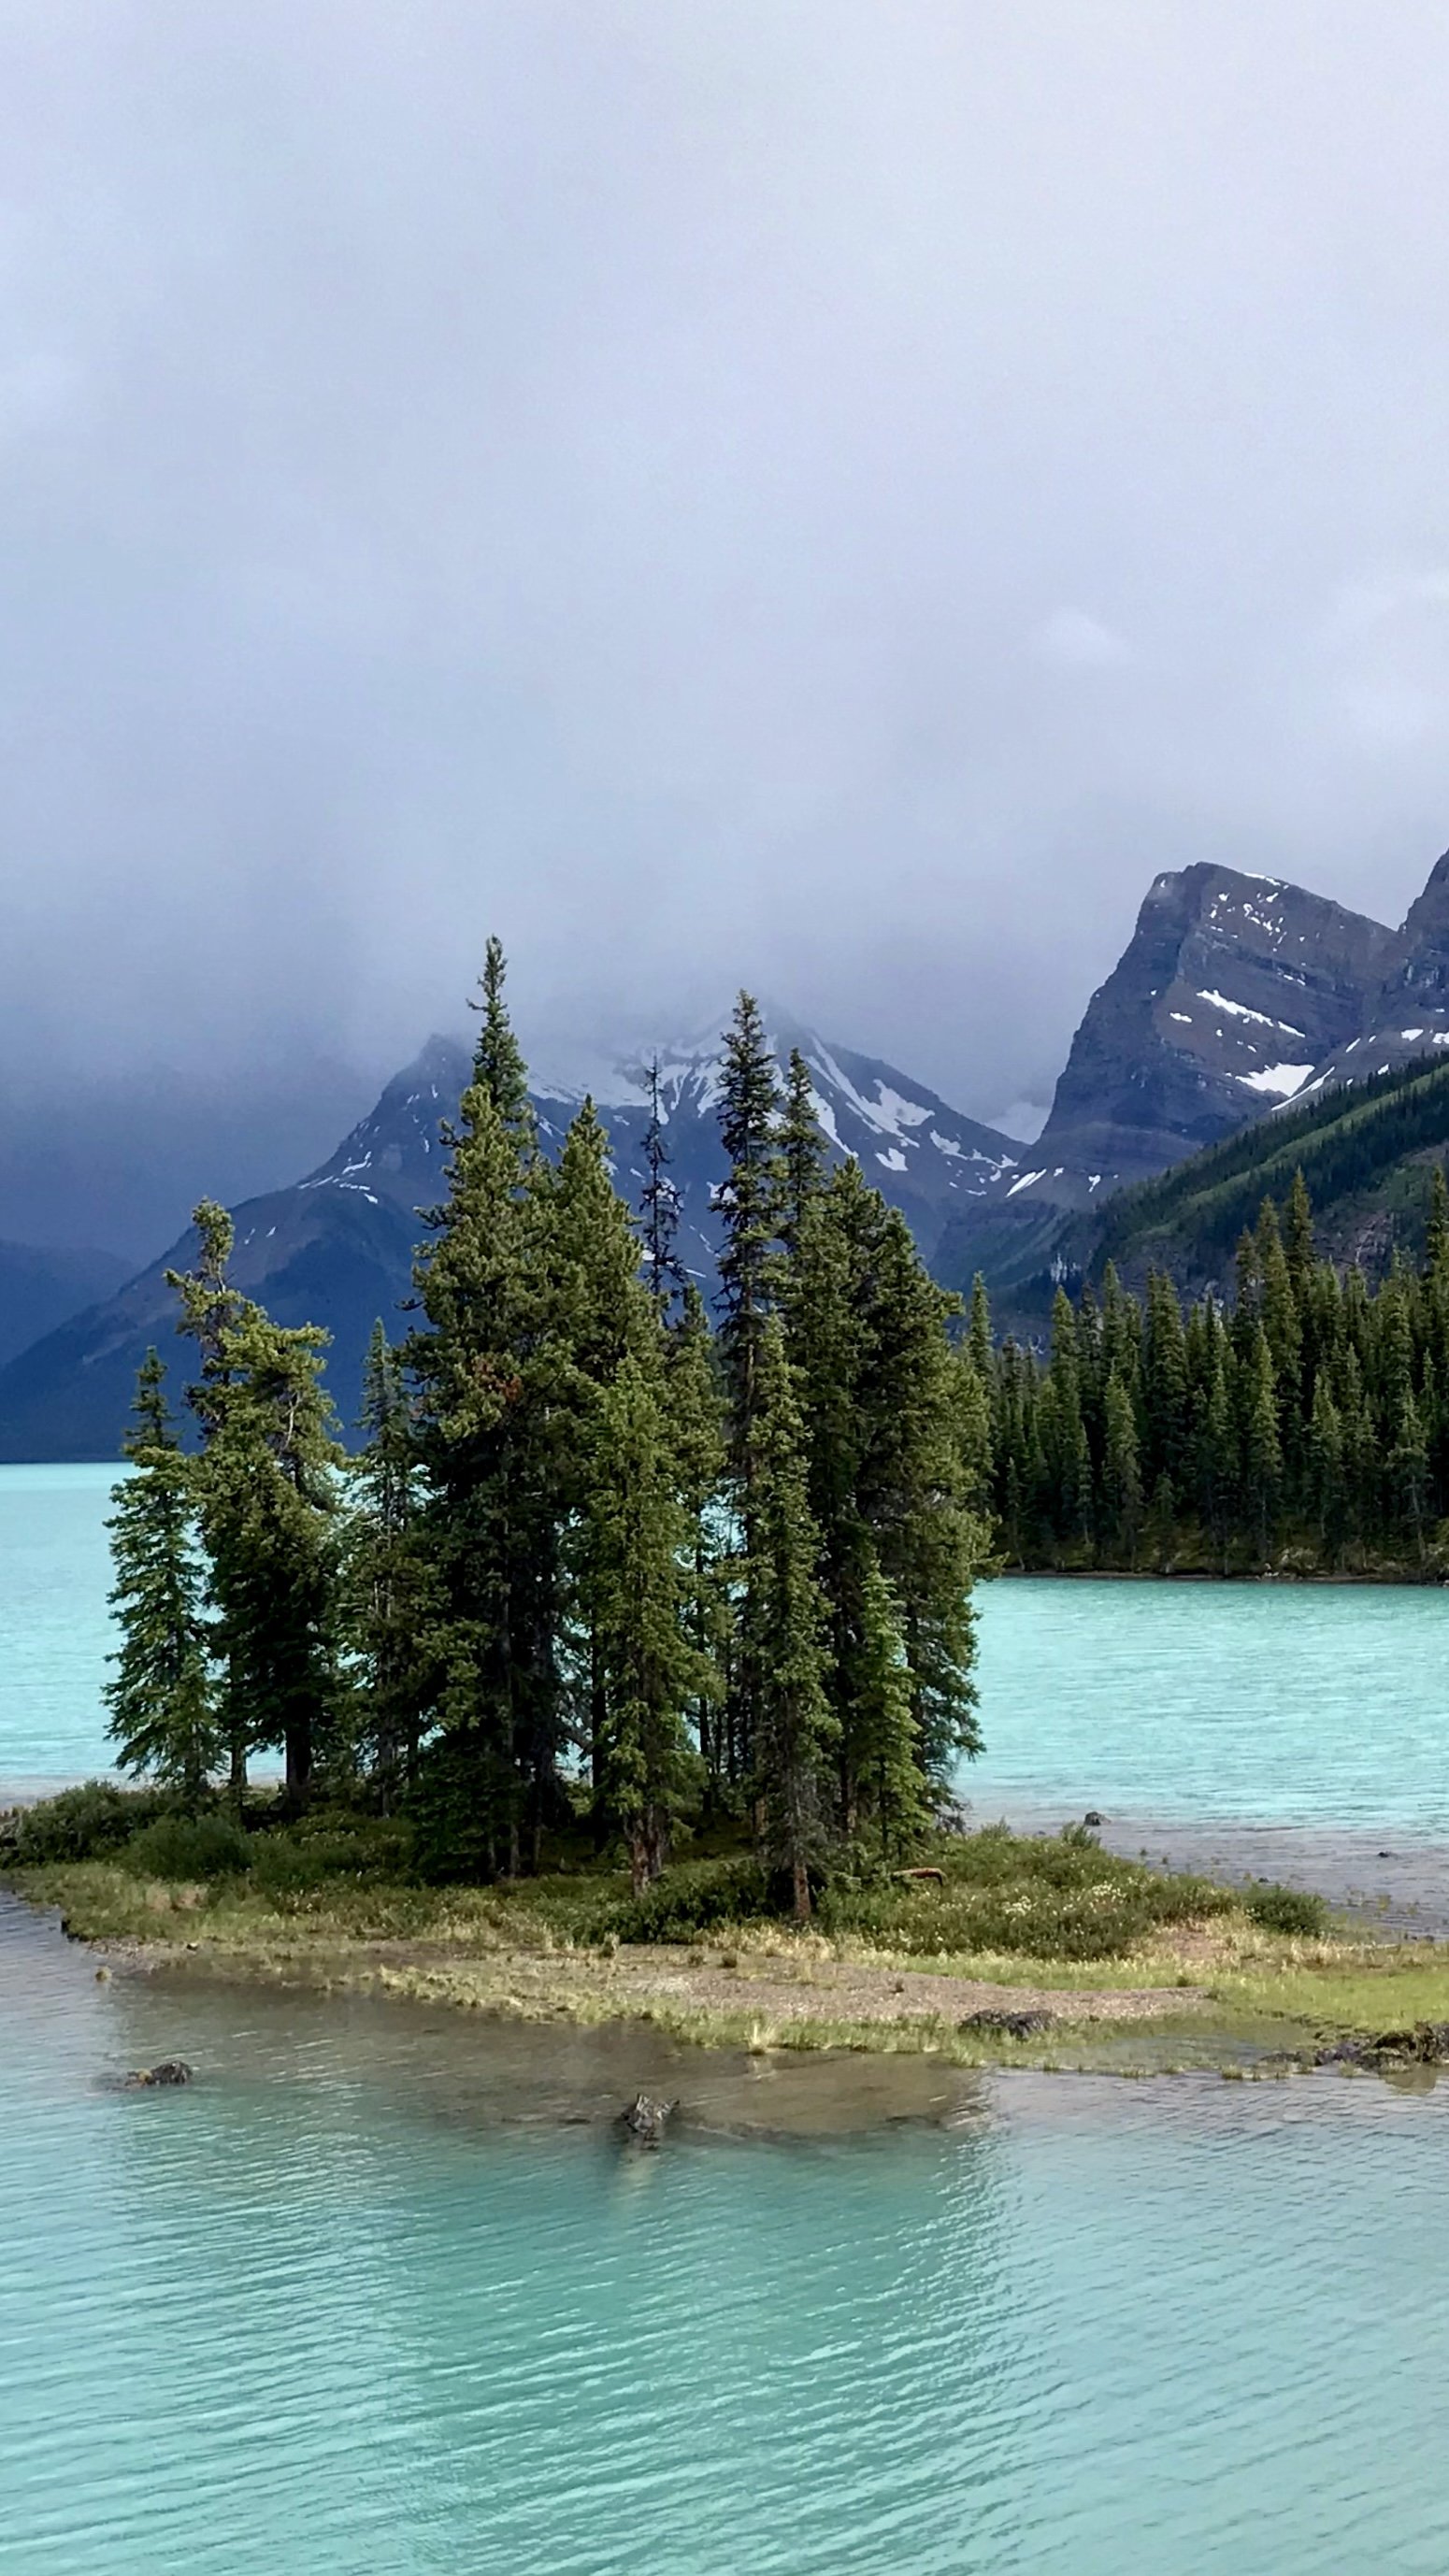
(1302, 1430)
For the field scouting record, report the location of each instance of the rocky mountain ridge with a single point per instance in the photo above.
(1236, 995)
(336, 1247)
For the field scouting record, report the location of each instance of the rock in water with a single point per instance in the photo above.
(645, 2120)
(172, 2070)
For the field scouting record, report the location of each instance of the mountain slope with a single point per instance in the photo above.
(42, 1284)
(1231, 993)
(336, 1248)
(1366, 1150)
(1408, 1012)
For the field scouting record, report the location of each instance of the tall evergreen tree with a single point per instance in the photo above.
(659, 1210)
(1121, 1471)
(782, 1638)
(267, 1497)
(750, 1210)
(1262, 1471)
(694, 1415)
(637, 1599)
(163, 1720)
(484, 1375)
(392, 1596)
(890, 1775)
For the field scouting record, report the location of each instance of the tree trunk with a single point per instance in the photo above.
(299, 1760)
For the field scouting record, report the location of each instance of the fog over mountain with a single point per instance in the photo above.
(819, 495)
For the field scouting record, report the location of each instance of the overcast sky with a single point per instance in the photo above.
(830, 493)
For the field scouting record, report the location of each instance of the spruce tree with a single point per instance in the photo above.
(914, 1499)
(1121, 1473)
(694, 1414)
(801, 1148)
(648, 1670)
(162, 1718)
(782, 1634)
(1325, 1465)
(392, 1596)
(978, 1336)
(484, 1375)
(888, 1768)
(267, 1489)
(750, 1209)
(600, 1313)
(750, 1206)
(1262, 1471)
(659, 1210)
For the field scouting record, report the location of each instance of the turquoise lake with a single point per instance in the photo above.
(1293, 1705)
(381, 2292)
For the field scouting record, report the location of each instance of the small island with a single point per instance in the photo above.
(627, 1669)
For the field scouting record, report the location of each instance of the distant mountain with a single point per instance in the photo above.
(336, 1248)
(40, 1285)
(1366, 1150)
(1231, 994)
(1408, 1010)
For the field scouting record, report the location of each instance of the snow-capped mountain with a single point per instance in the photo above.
(1408, 1011)
(1230, 994)
(336, 1247)
(1235, 996)
(926, 1157)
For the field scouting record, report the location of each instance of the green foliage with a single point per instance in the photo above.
(89, 1822)
(646, 1670)
(1288, 1909)
(188, 1847)
(1309, 1430)
(595, 1568)
(163, 1718)
(299, 1860)
(1346, 1143)
(266, 1489)
(782, 1631)
(695, 1898)
(1061, 1897)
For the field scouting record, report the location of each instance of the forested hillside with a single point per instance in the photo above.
(1365, 1150)
(1303, 1427)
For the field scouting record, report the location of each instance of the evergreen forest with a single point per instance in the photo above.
(1305, 1429)
(614, 1561)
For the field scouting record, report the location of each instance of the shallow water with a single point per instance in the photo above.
(383, 2291)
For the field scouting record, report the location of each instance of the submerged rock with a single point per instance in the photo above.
(645, 2120)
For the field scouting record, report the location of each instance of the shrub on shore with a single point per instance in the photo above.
(1051, 1897)
(89, 1822)
(1287, 1909)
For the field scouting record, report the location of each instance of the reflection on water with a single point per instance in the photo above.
(383, 2291)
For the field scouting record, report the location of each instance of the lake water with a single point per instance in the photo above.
(381, 2291)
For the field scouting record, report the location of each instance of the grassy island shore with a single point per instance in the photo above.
(1000, 1948)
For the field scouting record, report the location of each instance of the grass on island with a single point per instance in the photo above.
(1019, 1918)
